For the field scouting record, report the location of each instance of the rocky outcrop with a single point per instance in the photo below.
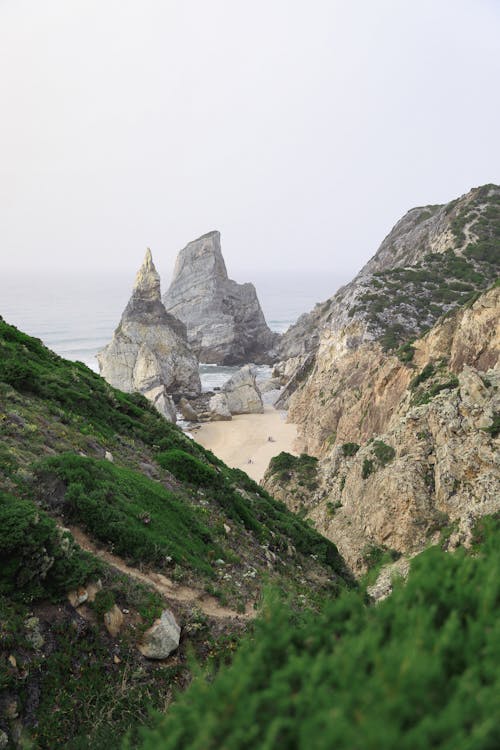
(219, 408)
(242, 393)
(429, 263)
(352, 392)
(224, 320)
(406, 448)
(187, 411)
(162, 638)
(149, 352)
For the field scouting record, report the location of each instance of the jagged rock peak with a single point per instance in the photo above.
(147, 280)
(149, 352)
(429, 262)
(224, 320)
(204, 251)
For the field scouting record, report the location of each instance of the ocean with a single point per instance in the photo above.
(75, 315)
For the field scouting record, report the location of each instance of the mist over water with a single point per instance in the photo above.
(75, 315)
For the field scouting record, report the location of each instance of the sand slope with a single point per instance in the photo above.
(246, 437)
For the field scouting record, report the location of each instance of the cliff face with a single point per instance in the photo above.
(405, 448)
(433, 258)
(149, 352)
(224, 320)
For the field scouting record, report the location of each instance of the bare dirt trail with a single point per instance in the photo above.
(166, 587)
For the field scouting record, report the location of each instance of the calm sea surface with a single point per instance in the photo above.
(76, 315)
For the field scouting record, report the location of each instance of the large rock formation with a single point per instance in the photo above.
(242, 392)
(224, 320)
(405, 428)
(407, 444)
(149, 352)
(432, 259)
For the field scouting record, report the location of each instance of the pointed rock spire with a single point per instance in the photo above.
(225, 323)
(147, 280)
(149, 352)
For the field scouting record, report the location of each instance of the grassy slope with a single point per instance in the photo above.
(163, 502)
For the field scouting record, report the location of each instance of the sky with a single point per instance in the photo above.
(301, 129)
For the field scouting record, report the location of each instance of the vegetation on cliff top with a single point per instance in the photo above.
(401, 303)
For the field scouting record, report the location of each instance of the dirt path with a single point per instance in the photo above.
(167, 588)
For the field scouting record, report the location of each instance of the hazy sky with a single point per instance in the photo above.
(301, 129)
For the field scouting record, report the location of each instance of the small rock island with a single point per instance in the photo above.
(224, 320)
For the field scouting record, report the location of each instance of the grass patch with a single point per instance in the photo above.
(140, 518)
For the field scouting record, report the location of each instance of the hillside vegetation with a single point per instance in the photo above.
(78, 454)
(419, 670)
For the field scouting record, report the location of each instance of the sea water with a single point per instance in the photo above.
(75, 315)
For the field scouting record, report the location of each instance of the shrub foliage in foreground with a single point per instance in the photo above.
(418, 671)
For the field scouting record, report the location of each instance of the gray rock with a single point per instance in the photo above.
(187, 410)
(224, 320)
(242, 393)
(149, 352)
(273, 384)
(219, 408)
(162, 637)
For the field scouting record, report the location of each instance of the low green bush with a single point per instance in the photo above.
(187, 468)
(36, 558)
(350, 449)
(367, 468)
(419, 670)
(384, 453)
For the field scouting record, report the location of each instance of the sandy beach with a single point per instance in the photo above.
(246, 437)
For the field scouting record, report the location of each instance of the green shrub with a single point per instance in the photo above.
(384, 453)
(494, 428)
(425, 374)
(367, 468)
(187, 468)
(302, 468)
(36, 558)
(350, 449)
(103, 602)
(419, 670)
(406, 352)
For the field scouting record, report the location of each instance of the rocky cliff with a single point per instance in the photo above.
(432, 260)
(149, 352)
(407, 443)
(224, 320)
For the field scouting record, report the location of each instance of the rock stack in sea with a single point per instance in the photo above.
(225, 323)
(149, 352)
